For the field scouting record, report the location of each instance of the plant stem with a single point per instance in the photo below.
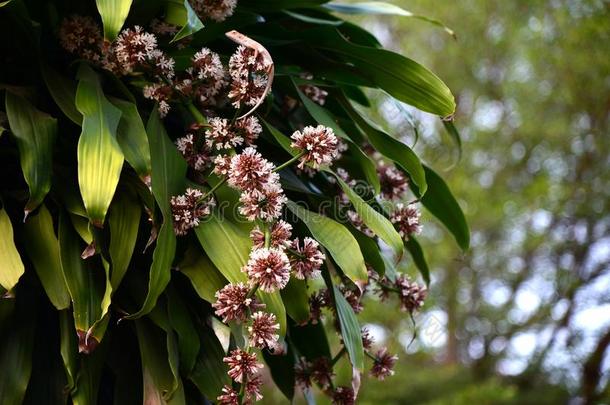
(369, 355)
(289, 162)
(252, 291)
(267, 235)
(216, 187)
(195, 112)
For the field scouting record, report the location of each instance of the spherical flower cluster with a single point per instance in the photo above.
(316, 94)
(411, 294)
(219, 135)
(232, 302)
(317, 302)
(217, 10)
(322, 372)
(161, 93)
(359, 224)
(249, 171)
(343, 396)
(308, 259)
(229, 396)
(81, 36)
(248, 128)
(242, 364)
(406, 220)
(269, 268)
(188, 210)
(208, 73)
(263, 330)
(195, 153)
(394, 184)
(302, 374)
(318, 145)
(383, 365)
(222, 165)
(265, 204)
(367, 339)
(136, 48)
(279, 237)
(249, 76)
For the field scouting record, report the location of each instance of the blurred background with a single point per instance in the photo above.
(524, 316)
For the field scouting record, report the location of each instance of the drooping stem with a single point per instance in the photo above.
(289, 162)
(213, 189)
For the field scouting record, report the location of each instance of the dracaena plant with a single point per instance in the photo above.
(193, 189)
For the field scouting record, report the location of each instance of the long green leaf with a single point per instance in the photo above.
(181, 13)
(389, 147)
(184, 326)
(443, 205)
(158, 377)
(379, 7)
(63, 92)
(210, 373)
(114, 13)
(417, 253)
(370, 251)
(341, 244)
(281, 367)
(204, 276)
(124, 220)
(401, 77)
(350, 330)
(43, 249)
(100, 158)
(375, 221)
(131, 136)
(86, 288)
(16, 351)
(228, 247)
(168, 173)
(35, 132)
(11, 266)
(296, 300)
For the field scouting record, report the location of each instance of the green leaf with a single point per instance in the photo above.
(350, 330)
(124, 220)
(204, 276)
(455, 136)
(417, 253)
(63, 92)
(100, 159)
(184, 326)
(35, 132)
(341, 244)
(375, 221)
(370, 251)
(182, 14)
(296, 300)
(210, 373)
(324, 117)
(131, 136)
(310, 340)
(281, 367)
(228, 247)
(114, 13)
(401, 77)
(85, 282)
(11, 266)
(441, 203)
(168, 172)
(16, 350)
(389, 147)
(379, 7)
(43, 249)
(280, 138)
(158, 377)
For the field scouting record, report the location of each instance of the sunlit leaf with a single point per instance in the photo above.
(339, 242)
(350, 329)
(228, 247)
(100, 158)
(204, 276)
(374, 220)
(35, 132)
(379, 7)
(114, 13)
(42, 248)
(11, 266)
(131, 136)
(181, 13)
(168, 172)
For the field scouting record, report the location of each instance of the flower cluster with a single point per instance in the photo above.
(318, 145)
(411, 294)
(406, 219)
(82, 37)
(249, 76)
(189, 208)
(217, 10)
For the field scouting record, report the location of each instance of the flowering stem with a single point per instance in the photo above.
(213, 189)
(195, 113)
(295, 253)
(267, 236)
(369, 355)
(338, 356)
(289, 162)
